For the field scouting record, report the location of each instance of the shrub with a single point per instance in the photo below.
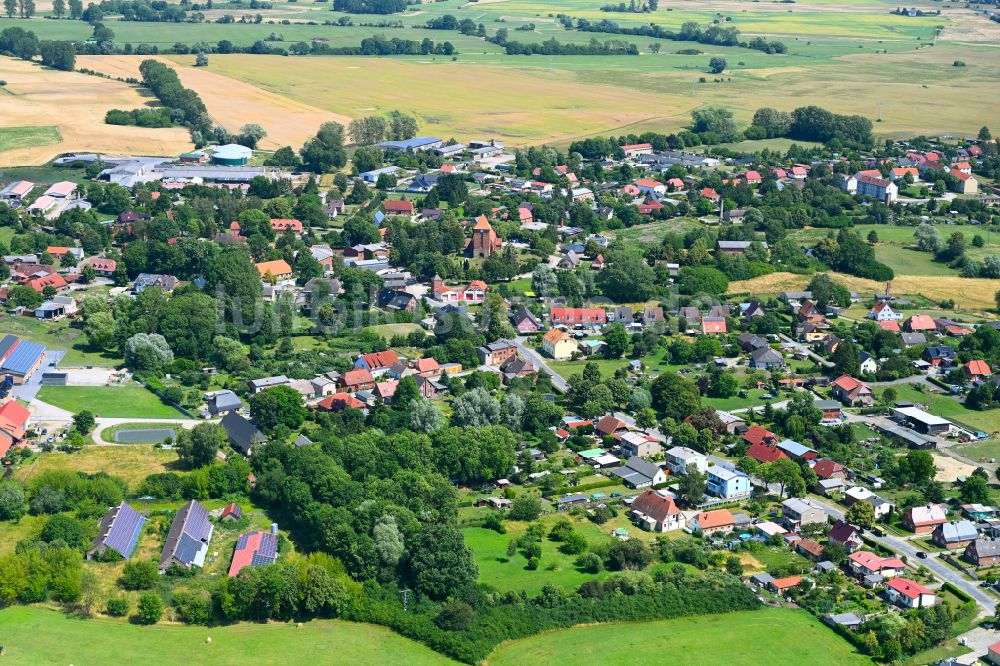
(118, 607)
(139, 575)
(150, 608)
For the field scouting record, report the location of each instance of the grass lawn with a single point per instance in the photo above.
(387, 331)
(28, 526)
(766, 636)
(70, 640)
(133, 462)
(59, 336)
(980, 451)
(12, 138)
(556, 568)
(109, 401)
(753, 399)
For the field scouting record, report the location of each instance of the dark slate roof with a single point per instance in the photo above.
(242, 433)
(224, 401)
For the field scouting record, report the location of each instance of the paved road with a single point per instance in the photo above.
(987, 603)
(810, 353)
(536, 358)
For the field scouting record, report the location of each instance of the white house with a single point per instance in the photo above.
(679, 458)
(883, 312)
(906, 593)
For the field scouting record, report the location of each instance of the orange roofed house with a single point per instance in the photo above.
(277, 269)
(282, 225)
(851, 392)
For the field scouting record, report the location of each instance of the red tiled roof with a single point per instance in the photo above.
(382, 359)
(759, 435)
(764, 453)
(339, 401)
(908, 588)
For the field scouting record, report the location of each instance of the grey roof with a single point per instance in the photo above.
(846, 619)
(637, 469)
(985, 547)
(224, 401)
(766, 355)
(958, 530)
(242, 433)
(798, 505)
(913, 338)
(762, 578)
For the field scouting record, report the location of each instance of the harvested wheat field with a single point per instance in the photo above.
(452, 99)
(75, 104)
(233, 103)
(966, 292)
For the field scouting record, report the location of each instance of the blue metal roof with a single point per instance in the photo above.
(23, 358)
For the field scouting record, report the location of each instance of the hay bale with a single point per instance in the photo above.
(209, 640)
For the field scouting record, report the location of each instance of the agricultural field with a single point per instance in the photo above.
(554, 99)
(15, 138)
(109, 401)
(972, 293)
(71, 640)
(233, 103)
(40, 99)
(747, 638)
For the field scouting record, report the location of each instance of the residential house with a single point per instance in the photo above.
(525, 322)
(713, 326)
(187, 541)
(924, 519)
(760, 435)
(920, 324)
(377, 363)
(359, 379)
(680, 458)
(882, 311)
(851, 392)
(866, 563)
(558, 344)
(726, 483)
(906, 593)
(264, 383)
(277, 270)
(780, 585)
(222, 402)
(656, 512)
(846, 535)
(976, 370)
(254, 549)
(636, 444)
(765, 453)
(736, 248)
(983, 552)
(166, 283)
(102, 267)
(281, 226)
(939, 356)
(955, 534)
(826, 468)
(709, 522)
(398, 208)
(608, 425)
(338, 402)
(577, 316)
(243, 435)
(809, 549)
(749, 342)
(797, 512)
(497, 353)
(866, 363)
(640, 473)
(766, 358)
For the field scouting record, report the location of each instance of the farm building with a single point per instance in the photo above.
(188, 539)
(19, 359)
(119, 530)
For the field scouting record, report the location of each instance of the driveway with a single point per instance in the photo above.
(987, 603)
(29, 390)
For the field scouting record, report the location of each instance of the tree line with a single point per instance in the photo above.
(689, 32)
(25, 45)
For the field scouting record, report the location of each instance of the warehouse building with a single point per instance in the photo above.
(921, 421)
(19, 359)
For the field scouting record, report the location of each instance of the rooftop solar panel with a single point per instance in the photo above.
(125, 530)
(23, 358)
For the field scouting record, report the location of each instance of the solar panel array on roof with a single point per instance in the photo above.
(197, 524)
(24, 357)
(187, 549)
(125, 530)
(7, 344)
